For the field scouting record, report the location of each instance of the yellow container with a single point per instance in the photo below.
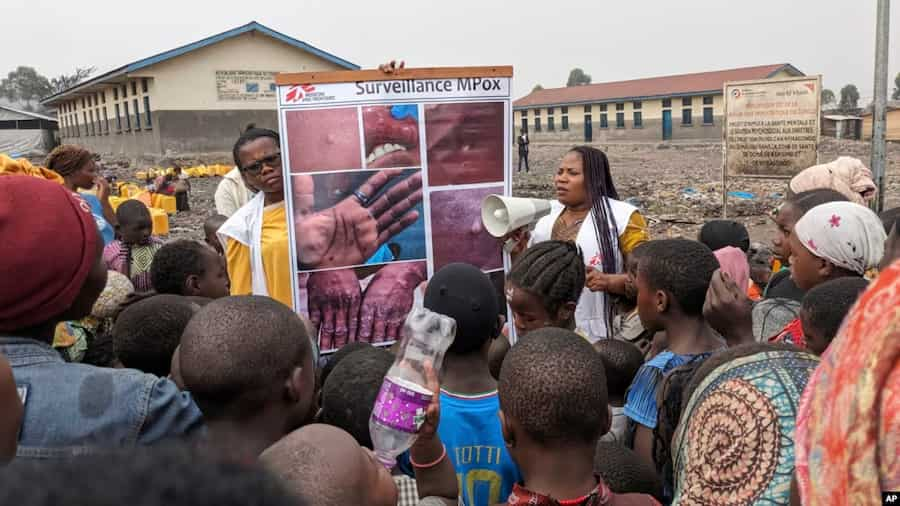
(116, 201)
(160, 221)
(141, 175)
(164, 202)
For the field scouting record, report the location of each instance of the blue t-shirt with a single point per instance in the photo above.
(470, 429)
(640, 400)
(106, 230)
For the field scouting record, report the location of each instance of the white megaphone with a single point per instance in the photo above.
(502, 215)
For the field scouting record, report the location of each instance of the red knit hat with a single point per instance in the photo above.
(48, 245)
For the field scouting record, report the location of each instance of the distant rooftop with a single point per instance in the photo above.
(652, 87)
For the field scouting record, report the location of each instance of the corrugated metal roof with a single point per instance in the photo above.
(665, 86)
(30, 115)
(157, 58)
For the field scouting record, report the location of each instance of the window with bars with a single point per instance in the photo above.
(637, 120)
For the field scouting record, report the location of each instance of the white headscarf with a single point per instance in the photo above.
(848, 235)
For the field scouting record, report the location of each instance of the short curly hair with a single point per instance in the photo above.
(681, 268)
(349, 392)
(174, 262)
(147, 332)
(553, 383)
(621, 361)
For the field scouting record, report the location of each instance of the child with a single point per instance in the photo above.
(182, 188)
(544, 285)
(627, 324)
(553, 410)
(189, 268)
(824, 308)
(760, 259)
(146, 333)
(348, 395)
(672, 280)
(718, 234)
(132, 254)
(469, 427)
(624, 472)
(324, 466)
(248, 362)
(542, 290)
(210, 227)
(621, 361)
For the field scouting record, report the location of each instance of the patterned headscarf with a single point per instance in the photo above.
(848, 426)
(734, 444)
(845, 175)
(118, 288)
(848, 235)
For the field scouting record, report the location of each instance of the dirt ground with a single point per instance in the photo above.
(678, 187)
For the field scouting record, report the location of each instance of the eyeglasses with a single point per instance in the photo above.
(273, 160)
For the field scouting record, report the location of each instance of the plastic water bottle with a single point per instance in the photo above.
(400, 407)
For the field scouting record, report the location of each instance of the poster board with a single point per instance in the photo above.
(384, 176)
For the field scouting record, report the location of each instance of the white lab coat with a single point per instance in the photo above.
(590, 315)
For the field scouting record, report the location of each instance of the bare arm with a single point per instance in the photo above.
(643, 444)
(435, 475)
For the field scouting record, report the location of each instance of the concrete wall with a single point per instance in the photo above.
(651, 119)
(208, 131)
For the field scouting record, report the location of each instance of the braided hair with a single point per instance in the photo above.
(600, 188)
(551, 270)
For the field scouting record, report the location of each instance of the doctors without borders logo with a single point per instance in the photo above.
(298, 92)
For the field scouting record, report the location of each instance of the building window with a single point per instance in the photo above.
(551, 125)
(686, 117)
(604, 122)
(115, 93)
(707, 115)
(77, 127)
(137, 114)
(587, 109)
(537, 124)
(127, 117)
(620, 120)
(638, 121)
(549, 111)
(144, 85)
(667, 102)
(86, 129)
(103, 95)
(97, 98)
(602, 107)
(524, 124)
(565, 123)
(636, 105)
(118, 120)
(148, 120)
(708, 100)
(124, 91)
(565, 109)
(133, 88)
(686, 101)
(620, 106)
(105, 121)
(93, 125)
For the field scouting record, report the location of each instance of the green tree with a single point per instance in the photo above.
(66, 81)
(25, 84)
(577, 77)
(537, 87)
(896, 94)
(827, 97)
(849, 98)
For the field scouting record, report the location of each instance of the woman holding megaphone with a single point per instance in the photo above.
(588, 212)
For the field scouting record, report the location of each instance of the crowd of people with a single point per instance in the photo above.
(708, 370)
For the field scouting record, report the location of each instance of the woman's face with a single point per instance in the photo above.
(785, 220)
(569, 181)
(84, 178)
(807, 270)
(261, 165)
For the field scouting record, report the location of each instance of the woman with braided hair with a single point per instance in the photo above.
(79, 171)
(606, 230)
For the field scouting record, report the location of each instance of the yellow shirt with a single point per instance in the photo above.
(635, 233)
(276, 257)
